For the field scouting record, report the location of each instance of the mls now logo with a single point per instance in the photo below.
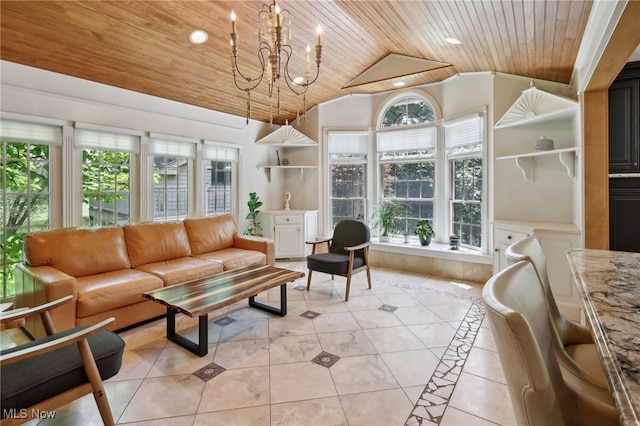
(23, 413)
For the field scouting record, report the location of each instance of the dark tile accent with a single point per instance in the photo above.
(310, 314)
(209, 371)
(326, 359)
(223, 321)
(387, 308)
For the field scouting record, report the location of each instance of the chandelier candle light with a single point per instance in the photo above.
(274, 54)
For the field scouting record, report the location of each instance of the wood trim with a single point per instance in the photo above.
(596, 169)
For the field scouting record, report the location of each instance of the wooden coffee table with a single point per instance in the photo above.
(198, 298)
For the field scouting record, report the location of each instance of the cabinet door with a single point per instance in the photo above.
(504, 237)
(624, 135)
(288, 240)
(624, 210)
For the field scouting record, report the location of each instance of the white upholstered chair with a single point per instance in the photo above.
(517, 313)
(577, 353)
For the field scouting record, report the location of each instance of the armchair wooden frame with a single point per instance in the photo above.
(94, 385)
(350, 270)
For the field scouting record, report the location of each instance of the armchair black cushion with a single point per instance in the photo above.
(347, 253)
(57, 371)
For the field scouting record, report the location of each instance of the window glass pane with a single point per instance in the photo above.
(347, 192)
(408, 111)
(24, 207)
(170, 187)
(467, 195)
(106, 184)
(219, 187)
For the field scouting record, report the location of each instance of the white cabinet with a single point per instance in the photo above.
(556, 239)
(290, 229)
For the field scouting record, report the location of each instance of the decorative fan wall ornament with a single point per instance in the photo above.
(537, 105)
(286, 135)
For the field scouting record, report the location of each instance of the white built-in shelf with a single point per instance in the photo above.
(267, 170)
(526, 162)
(537, 106)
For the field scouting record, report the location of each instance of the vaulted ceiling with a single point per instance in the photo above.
(144, 45)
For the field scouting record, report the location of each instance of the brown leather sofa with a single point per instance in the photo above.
(106, 270)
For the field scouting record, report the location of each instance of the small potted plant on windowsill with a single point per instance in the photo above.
(385, 217)
(424, 231)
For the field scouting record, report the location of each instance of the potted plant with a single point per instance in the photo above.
(255, 228)
(424, 231)
(385, 217)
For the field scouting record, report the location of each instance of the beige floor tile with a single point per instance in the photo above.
(414, 392)
(381, 408)
(399, 299)
(376, 318)
(314, 412)
(162, 397)
(363, 303)
(363, 373)
(485, 340)
(416, 315)
(137, 364)
(483, 398)
(147, 336)
(245, 330)
(243, 353)
(289, 349)
(450, 311)
(300, 381)
(434, 335)
(251, 416)
(175, 360)
(346, 343)
(241, 311)
(291, 325)
(411, 368)
(171, 421)
(455, 417)
(238, 388)
(393, 339)
(484, 363)
(333, 322)
(325, 306)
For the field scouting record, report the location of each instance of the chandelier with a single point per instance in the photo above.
(274, 54)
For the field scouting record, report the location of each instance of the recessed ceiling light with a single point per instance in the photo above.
(452, 40)
(198, 36)
(398, 83)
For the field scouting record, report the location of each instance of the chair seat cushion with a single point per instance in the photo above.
(332, 263)
(35, 379)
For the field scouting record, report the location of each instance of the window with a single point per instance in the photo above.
(220, 168)
(172, 164)
(348, 173)
(463, 143)
(407, 161)
(106, 176)
(26, 195)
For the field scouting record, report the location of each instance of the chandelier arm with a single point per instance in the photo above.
(258, 80)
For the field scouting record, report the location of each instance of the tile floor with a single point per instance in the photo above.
(413, 350)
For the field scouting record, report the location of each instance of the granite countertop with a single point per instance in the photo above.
(609, 285)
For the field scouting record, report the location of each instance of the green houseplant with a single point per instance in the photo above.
(385, 217)
(255, 228)
(424, 231)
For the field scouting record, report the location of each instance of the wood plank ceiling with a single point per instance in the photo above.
(144, 45)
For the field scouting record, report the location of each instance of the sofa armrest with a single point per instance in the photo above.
(264, 245)
(37, 285)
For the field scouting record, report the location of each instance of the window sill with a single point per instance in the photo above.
(436, 250)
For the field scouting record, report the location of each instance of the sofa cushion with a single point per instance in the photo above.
(155, 242)
(232, 258)
(102, 292)
(78, 252)
(207, 234)
(181, 270)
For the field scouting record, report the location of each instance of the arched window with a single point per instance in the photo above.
(407, 111)
(406, 146)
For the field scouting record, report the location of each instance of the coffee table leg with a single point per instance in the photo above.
(283, 303)
(202, 347)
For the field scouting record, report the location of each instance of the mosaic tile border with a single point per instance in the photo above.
(433, 401)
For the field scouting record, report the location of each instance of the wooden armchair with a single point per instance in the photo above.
(348, 253)
(49, 372)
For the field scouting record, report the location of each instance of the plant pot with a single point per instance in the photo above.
(384, 238)
(425, 241)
